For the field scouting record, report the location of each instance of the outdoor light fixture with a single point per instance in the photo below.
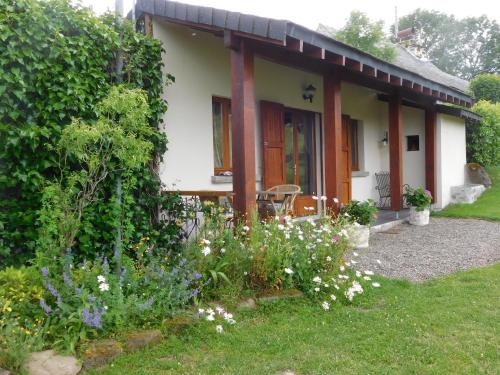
(385, 141)
(309, 92)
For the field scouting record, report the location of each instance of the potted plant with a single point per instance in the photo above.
(419, 201)
(361, 215)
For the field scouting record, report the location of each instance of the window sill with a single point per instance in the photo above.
(222, 179)
(360, 174)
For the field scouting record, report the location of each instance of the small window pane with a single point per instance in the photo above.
(218, 135)
(412, 143)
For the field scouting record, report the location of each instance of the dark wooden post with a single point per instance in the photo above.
(430, 152)
(243, 126)
(396, 151)
(332, 123)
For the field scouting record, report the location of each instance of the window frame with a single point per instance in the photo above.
(354, 135)
(226, 159)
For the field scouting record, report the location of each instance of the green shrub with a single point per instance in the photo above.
(418, 198)
(483, 139)
(362, 213)
(486, 87)
(58, 63)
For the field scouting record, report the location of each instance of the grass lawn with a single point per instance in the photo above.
(449, 325)
(486, 207)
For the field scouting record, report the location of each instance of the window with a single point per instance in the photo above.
(412, 143)
(221, 122)
(354, 145)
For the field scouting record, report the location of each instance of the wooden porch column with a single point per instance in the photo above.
(396, 151)
(243, 127)
(332, 123)
(430, 152)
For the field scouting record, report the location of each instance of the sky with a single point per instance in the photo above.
(332, 12)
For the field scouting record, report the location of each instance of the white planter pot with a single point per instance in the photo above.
(359, 236)
(419, 217)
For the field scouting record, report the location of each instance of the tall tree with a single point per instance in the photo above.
(463, 47)
(362, 33)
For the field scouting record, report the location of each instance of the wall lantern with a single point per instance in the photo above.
(309, 92)
(385, 140)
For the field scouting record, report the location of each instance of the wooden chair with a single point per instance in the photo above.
(278, 200)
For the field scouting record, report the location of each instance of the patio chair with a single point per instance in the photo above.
(278, 200)
(384, 189)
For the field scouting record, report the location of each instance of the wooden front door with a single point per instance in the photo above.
(288, 152)
(346, 160)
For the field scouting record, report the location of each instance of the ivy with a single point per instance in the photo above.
(56, 64)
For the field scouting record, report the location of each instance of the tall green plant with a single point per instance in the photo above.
(58, 63)
(483, 139)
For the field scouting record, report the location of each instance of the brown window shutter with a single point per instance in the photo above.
(273, 143)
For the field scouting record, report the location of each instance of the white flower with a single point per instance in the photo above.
(356, 288)
(245, 273)
(370, 273)
(246, 228)
(358, 274)
(333, 297)
(210, 318)
(336, 287)
(201, 311)
(323, 198)
(218, 328)
(219, 309)
(289, 271)
(355, 253)
(343, 233)
(206, 250)
(317, 289)
(206, 242)
(367, 278)
(210, 312)
(317, 280)
(301, 237)
(313, 256)
(376, 285)
(281, 227)
(335, 200)
(325, 305)
(353, 261)
(101, 279)
(105, 307)
(315, 198)
(222, 250)
(328, 258)
(228, 316)
(103, 287)
(378, 261)
(342, 268)
(326, 285)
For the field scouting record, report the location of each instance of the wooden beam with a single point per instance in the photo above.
(332, 114)
(417, 87)
(334, 58)
(395, 80)
(396, 151)
(407, 83)
(231, 41)
(426, 90)
(313, 51)
(243, 129)
(369, 71)
(354, 65)
(430, 151)
(383, 76)
(295, 45)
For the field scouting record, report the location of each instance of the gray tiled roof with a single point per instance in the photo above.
(405, 66)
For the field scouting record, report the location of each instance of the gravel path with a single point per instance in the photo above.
(420, 253)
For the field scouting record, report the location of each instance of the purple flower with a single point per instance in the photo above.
(46, 308)
(147, 304)
(45, 271)
(92, 318)
(91, 298)
(53, 291)
(182, 262)
(67, 279)
(105, 265)
(78, 291)
(196, 275)
(428, 193)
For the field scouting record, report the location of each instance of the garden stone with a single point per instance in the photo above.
(101, 352)
(478, 175)
(248, 304)
(50, 363)
(140, 339)
(280, 295)
(178, 324)
(466, 193)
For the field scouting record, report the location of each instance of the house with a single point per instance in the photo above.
(259, 102)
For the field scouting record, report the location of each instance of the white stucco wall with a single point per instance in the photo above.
(450, 155)
(200, 65)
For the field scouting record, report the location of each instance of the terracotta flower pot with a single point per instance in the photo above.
(420, 218)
